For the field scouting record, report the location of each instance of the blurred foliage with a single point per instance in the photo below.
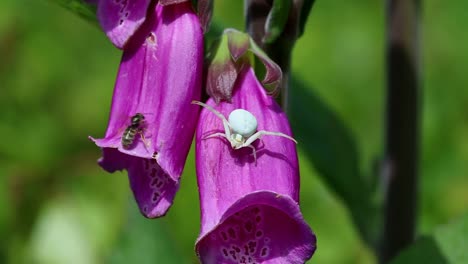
(56, 79)
(332, 150)
(447, 244)
(83, 8)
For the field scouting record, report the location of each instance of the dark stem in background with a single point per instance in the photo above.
(400, 170)
(280, 51)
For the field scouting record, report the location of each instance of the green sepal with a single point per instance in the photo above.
(238, 42)
(228, 59)
(222, 71)
(273, 75)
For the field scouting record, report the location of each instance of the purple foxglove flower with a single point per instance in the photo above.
(160, 74)
(250, 211)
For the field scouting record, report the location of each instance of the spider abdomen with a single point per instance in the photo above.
(243, 122)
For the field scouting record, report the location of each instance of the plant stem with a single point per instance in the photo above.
(400, 171)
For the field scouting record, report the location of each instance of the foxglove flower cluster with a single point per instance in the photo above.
(249, 200)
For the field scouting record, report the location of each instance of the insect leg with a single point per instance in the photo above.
(143, 139)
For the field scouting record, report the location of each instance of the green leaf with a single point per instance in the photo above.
(276, 20)
(81, 8)
(332, 150)
(448, 244)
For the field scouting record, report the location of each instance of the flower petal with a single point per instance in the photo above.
(113, 160)
(153, 188)
(120, 19)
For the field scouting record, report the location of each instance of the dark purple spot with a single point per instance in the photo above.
(242, 259)
(248, 226)
(153, 161)
(259, 233)
(264, 252)
(224, 236)
(159, 184)
(154, 182)
(126, 14)
(236, 248)
(233, 254)
(256, 210)
(225, 252)
(121, 21)
(145, 209)
(153, 172)
(232, 233)
(246, 250)
(252, 246)
(258, 219)
(156, 196)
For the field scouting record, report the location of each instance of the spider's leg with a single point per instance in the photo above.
(214, 135)
(254, 153)
(214, 111)
(263, 132)
(227, 126)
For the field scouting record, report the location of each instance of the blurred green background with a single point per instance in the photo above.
(56, 79)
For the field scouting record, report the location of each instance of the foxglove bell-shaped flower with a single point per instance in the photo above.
(159, 75)
(249, 208)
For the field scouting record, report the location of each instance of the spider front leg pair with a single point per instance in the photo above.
(241, 129)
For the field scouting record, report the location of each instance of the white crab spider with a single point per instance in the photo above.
(241, 129)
